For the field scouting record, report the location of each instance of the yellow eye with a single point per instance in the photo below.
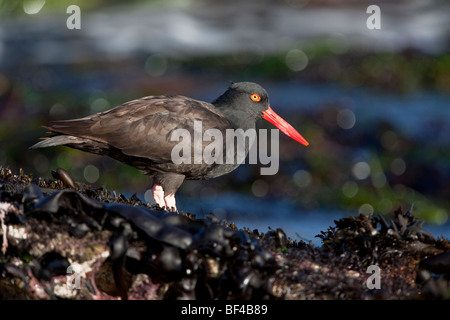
(255, 97)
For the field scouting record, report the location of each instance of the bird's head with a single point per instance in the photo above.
(251, 100)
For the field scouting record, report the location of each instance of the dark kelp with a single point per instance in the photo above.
(122, 248)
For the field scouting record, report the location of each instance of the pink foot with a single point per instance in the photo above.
(158, 195)
(167, 202)
(170, 202)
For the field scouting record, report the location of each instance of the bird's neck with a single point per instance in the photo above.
(239, 119)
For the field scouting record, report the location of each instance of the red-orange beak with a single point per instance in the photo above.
(282, 124)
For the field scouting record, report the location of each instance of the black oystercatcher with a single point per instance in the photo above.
(139, 132)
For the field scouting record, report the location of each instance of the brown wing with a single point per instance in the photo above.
(143, 127)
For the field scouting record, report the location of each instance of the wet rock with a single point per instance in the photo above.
(51, 264)
(439, 264)
(32, 194)
(119, 248)
(276, 239)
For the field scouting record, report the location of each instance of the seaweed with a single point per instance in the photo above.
(89, 243)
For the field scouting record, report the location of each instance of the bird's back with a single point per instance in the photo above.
(139, 132)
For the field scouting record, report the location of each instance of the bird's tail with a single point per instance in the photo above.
(55, 141)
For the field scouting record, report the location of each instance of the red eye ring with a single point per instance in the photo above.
(255, 97)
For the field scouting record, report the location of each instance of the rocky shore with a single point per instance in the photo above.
(66, 240)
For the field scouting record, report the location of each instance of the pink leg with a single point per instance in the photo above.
(170, 202)
(167, 202)
(158, 195)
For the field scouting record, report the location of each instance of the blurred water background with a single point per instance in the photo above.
(374, 104)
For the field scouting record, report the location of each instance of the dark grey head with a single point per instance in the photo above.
(244, 100)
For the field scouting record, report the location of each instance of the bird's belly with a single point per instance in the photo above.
(215, 172)
(201, 171)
